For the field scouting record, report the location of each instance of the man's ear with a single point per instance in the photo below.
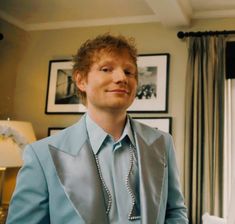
(80, 82)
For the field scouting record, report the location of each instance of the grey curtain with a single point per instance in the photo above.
(204, 115)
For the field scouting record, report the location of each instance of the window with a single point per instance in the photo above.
(229, 146)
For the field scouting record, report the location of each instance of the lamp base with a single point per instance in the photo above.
(3, 214)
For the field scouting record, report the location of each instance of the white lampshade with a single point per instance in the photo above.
(14, 135)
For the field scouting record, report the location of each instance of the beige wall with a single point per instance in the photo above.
(29, 69)
(12, 48)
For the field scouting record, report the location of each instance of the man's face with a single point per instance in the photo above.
(111, 83)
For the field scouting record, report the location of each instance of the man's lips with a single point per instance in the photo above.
(118, 91)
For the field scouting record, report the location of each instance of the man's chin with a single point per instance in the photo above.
(119, 106)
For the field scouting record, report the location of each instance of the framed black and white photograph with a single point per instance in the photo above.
(152, 91)
(53, 130)
(61, 91)
(161, 123)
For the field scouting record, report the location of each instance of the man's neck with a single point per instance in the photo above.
(111, 123)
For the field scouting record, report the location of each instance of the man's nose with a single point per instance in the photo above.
(119, 75)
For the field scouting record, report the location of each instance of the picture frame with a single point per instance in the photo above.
(161, 123)
(53, 130)
(61, 91)
(153, 81)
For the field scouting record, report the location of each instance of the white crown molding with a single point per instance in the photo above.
(175, 14)
(78, 23)
(172, 12)
(92, 22)
(12, 20)
(213, 14)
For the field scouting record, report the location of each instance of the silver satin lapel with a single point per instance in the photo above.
(132, 188)
(79, 176)
(152, 161)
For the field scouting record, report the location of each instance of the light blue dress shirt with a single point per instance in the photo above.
(115, 161)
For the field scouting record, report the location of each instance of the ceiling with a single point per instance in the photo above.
(58, 14)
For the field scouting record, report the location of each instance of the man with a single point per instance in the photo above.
(107, 168)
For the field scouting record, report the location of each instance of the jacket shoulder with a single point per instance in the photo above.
(149, 130)
(68, 140)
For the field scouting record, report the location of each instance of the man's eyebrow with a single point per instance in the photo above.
(101, 62)
(113, 61)
(130, 64)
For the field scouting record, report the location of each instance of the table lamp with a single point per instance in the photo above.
(14, 135)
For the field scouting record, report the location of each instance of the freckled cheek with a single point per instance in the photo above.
(134, 88)
(133, 93)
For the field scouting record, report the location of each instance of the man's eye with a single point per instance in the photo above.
(105, 69)
(129, 72)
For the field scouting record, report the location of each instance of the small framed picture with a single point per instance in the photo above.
(53, 130)
(161, 123)
(152, 91)
(61, 91)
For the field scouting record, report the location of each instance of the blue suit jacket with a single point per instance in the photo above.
(59, 181)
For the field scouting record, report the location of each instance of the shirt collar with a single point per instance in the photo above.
(128, 132)
(97, 135)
